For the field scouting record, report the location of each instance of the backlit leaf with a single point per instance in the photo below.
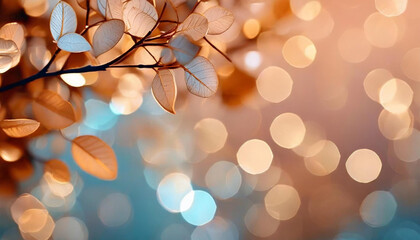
(18, 128)
(95, 157)
(52, 111)
(63, 20)
(5, 63)
(184, 50)
(195, 26)
(201, 78)
(107, 36)
(220, 19)
(58, 170)
(164, 89)
(73, 42)
(114, 9)
(139, 16)
(167, 56)
(10, 49)
(102, 6)
(15, 32)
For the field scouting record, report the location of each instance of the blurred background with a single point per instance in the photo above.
(311, 136)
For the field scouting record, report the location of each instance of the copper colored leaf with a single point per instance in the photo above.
(8, 48)
(95, 157)
(107, 36)
(63, 20)
(114, 9)
(195, 26)
(15, 32)
(53, 111)
(201, 78)
(5, 63)
(164, 89)
(18, 128)
(139, 16)
(220, 19)
(58, 170)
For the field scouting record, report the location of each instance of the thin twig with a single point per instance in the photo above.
(44, 72)
(218, 50)
(87, 13)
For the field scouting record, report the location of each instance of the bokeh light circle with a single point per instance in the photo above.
(299, 51)
(202, 210)
(171, 191)
(282, 202)
(364, 165)
(274, 84)
(288, 130)
(255, 156)
(378, 208)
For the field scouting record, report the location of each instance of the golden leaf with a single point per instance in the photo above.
(95, 157)
(52, 111)
(164, 89)
(18, 128)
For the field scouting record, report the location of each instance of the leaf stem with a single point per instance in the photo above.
(218, 50)
(111, 64)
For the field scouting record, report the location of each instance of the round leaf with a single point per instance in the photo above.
(18, 128)
(201, 78)
(140, 17)
(220, 19)
(195, 26)
(53, 111)
(95, 157)
(15, 32)
(107, 36)
(5, 63)
(164, 89)
(63, 20)
(114, 9)
(10, 49)
(184, 50)
(73, 42)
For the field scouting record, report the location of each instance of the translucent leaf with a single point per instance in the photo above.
(114, 9)
(63, 20)
(201, 78)
(102, 6)
(15, 32)
(73, 42)
(5, 63)
(58, 170)
(164, 89)
(10, 49)
(184, 49)
(52, 111)
(139, 16)
(95, 157)
(167, 56)
(195, 26)
(220, 19)
(107, 36)
(18, 128)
